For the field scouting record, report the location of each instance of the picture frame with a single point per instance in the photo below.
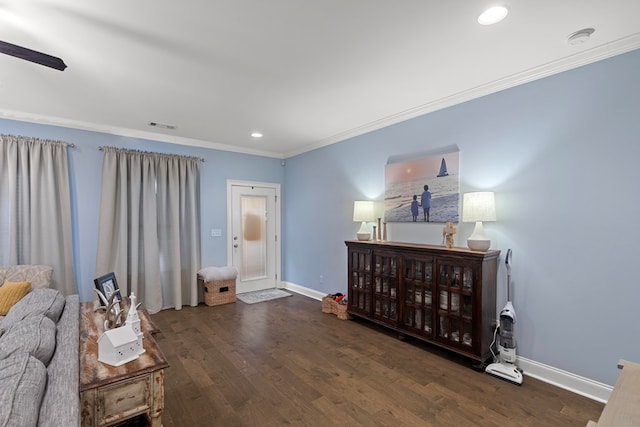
(424, 187)
(107, 285)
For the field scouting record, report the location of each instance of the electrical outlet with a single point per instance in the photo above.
(321, 279)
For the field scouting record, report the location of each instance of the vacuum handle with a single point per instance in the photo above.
(506, 261)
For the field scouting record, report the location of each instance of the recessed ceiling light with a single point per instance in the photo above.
(580, 36)
(493, 15)
(256, 135)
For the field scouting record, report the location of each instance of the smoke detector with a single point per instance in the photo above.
(580, 36)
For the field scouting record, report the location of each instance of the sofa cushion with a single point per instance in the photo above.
(61, 403)
(35, 335)
(11, 293)
(39, 275)
(22, 383)
(47, 301)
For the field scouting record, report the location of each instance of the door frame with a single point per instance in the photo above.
(277, 213)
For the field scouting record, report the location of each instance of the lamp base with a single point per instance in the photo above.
(479, 241)
(479, 245)
(364, 233)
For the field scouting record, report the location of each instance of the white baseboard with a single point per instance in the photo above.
(566, 380)
(307, 292)
(580, 385)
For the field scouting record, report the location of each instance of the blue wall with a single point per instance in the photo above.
(561, 154)
(85, 163)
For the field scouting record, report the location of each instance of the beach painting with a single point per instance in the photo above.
(407, 200)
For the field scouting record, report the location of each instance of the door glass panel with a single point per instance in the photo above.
(254, 240)
(444, 327)
(455, 302)
(444, 300)
(455, 330)
(467, 279)
(466, 305)
(427, 298)
(427, 321)
(466, 337)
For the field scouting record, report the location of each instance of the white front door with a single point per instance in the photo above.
(253, 233)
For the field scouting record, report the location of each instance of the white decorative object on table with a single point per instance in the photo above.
(119, 345)
(133, 320)
(114, 316)
(132, 315)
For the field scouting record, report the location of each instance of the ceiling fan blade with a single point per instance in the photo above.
(32, 55)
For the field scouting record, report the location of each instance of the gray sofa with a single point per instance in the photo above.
(39, 361)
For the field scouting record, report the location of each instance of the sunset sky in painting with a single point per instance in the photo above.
(411, 170)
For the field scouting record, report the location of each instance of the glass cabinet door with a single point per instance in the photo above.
(385, 290)
(360, 289)
(456, 283)
(418, 295)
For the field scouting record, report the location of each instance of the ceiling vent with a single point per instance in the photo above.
(162, 125)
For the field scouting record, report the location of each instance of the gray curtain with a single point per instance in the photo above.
(149, 229)
(35, 207)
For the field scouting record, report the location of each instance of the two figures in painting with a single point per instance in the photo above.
(425, 203)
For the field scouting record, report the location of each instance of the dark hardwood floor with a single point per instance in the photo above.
(284, 362)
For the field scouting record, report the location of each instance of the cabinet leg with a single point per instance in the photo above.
(401, 336)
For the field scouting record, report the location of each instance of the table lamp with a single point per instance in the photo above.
(478, 207)
(363, 212)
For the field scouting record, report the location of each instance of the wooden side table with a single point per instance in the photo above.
(111, 394)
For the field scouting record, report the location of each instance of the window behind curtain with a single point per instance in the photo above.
(149, 228)
(35, 207)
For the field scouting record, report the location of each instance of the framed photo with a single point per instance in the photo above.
(425, 189)
(107, 285)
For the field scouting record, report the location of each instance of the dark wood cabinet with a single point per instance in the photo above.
(446, 297)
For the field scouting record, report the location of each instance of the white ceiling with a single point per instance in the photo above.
(305, 73)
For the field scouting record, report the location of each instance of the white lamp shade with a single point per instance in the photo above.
(363, 211)
(478, 207)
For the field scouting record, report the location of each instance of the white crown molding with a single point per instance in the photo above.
(595, 54)
(589, 56)
(131, 133)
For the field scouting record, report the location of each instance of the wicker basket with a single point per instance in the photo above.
(330, 306)
(218, 292)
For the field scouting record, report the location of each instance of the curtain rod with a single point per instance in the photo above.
(101, 148)
(68, 144)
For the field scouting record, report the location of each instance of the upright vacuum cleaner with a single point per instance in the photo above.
(504, 365)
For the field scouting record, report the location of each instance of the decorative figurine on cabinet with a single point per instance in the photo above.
(447, 234)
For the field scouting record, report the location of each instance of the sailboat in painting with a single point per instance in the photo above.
(443, 169)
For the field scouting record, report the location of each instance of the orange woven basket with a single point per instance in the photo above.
(330, 306)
